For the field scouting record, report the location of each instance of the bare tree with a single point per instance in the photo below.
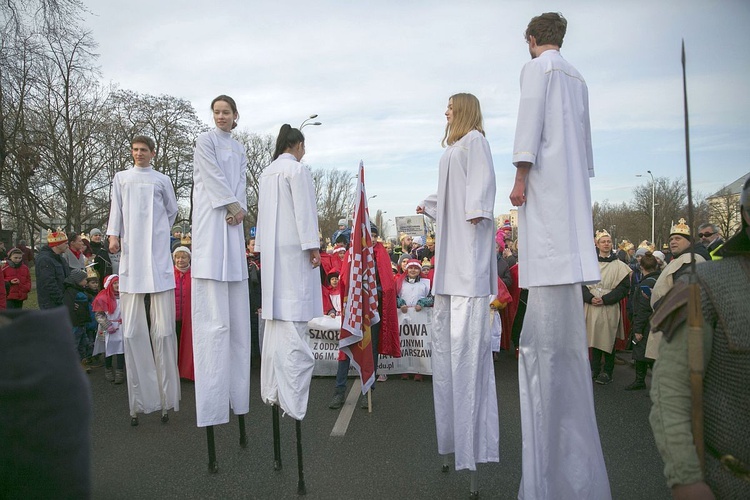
(259, 151)
(670, 205)
(335, 198)
(724, 211)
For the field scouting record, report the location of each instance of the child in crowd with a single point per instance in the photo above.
(413, 291)
(332, 295)
(17, 279)
(76, 300)
(427, 271)
(183, 319)
(107, 310)
(92, 327)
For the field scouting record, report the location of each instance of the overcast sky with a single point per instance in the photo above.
(379, 73)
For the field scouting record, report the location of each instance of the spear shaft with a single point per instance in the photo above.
(695, 314)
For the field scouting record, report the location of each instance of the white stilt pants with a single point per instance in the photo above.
(221, 349)
(153, 381)
(562, 454)
(463, 381)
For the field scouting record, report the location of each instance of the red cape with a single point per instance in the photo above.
(390, 342)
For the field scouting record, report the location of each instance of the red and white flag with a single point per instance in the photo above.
(361, 302)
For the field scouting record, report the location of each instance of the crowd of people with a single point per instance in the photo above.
(567, 302)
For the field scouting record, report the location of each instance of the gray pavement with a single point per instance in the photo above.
(389, 454)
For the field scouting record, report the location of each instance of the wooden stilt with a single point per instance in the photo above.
(243, 434)
(301, 489)
(213, 466)
(276, 438)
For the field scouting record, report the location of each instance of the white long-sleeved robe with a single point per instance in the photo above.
(142, 211)
(555, 228)
(556, 255)
(219, 173)
(287, 228)
(220, 301)
(466, 414)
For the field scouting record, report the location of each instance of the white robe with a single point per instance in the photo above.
(562, 456)
(220, 302)
(555, 229)
(287, 228)
(465, 262)
(466, 415)
(412, 292)
(561, 451)
(142, 212)
(219, 173)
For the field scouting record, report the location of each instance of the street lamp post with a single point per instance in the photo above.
(307, 122)
(653, 204)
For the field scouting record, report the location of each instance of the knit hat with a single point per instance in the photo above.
(78, 275)
(506, 226)
(641, 251)
(342, 222)
(659, 256)
(95, 232)
(55, 238)
(182, 249)
(414, 263)
(14, 250)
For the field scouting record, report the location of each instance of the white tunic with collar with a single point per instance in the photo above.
(465, 262)
(287, 228)
(142, 212)
(219, 174)
(554, 134)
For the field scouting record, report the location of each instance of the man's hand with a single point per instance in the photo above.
(315, 257)
(638, 337)
(420, 210)
(518, 194)
(235, 214)
(476, 220)
(114, 244)
(597, 301)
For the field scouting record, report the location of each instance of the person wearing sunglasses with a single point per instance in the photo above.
(710, 237)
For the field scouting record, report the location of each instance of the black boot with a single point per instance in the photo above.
(640, 377)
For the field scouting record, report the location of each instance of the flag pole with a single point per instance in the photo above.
(695, 314)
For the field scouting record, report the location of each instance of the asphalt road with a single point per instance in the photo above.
(388, 454)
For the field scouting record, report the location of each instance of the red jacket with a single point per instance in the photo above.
(21, 290)
(182, 313)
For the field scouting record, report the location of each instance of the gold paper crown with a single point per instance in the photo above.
(625, 245)
(85, 236)
(647, 245)
(402, 236)
(91, 272)
(329, 248)
(186, 240)
(56, 237)
(426, 262)
(600, 234)
(430, 239)
(680, 228)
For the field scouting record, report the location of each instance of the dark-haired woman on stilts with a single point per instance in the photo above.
(221, 312)
(287, 238)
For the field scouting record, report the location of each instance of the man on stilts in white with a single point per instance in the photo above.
(142, 211)
(562, 454)
(219, 294)
(287, 238)
(466, 414)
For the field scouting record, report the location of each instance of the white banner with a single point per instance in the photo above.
(415, 332)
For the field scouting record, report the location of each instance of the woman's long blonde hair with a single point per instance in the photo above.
(467, 116)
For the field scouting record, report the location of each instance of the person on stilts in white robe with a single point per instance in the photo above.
(466, 413)
(142, 211)
(287, 238)
(561, 451)
(219, 294)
